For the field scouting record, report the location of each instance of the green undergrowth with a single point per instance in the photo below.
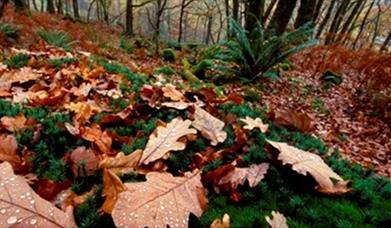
(283, 190)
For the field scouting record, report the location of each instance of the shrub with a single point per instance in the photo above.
(56, 38)
(9, 30)
(169, 54)
(166, 70)
(126, 45)
(256, 53)
(17, 61)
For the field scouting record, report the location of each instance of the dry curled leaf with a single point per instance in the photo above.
(165, 139)
(14, 123)
(112, 186)
(25, 74)
(8, 149)
(278, 220)
(221, 223)
(292, 119)
(20, 206)
(122, 163)
(210, 127)
(161, 201)
(84, 161)
(304, 162)
(171, 92)
(101, 139)
(255, 123)
(253, 174)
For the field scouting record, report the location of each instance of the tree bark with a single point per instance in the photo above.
(282, 15)
(160, 6)
(184, 4)
(235, 10)
(375, 32)
(50, 6)
(306, 12)
(2, 7)
(318, 8)
(352, 15)
(19, 5)
(75, 5)
(326, 18)
(364, 20)
(129, 18)
(337, 21)
(254, 13)
(384, 47)
(268, 11)
(209, 29)
(59, 7)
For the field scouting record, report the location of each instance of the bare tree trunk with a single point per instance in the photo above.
(129, 18)
(350, 19)
(161, 5)
(50, 6)
(384, 47)
(364, 20)
(209, 29)
(183, 6)
(268, 11)
(75, 5)
(306, 12)
(235, 10)
(375, 32)
(35, 5)
(282, 15)
(59, 7)
(326, 18)
(318, 8)
(2, 7)
(337, 21)
(254, 13)
(227, 14)
(19, 5)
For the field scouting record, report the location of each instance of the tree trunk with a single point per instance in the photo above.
(50, 6)
(306, 12)
(364, 21)
(384, 47)
(129, 18)
(235, 10)
(35, 5)
(161, 5)
(375, 32)
(318, 8)
(268, 11)
(209, 29)
(350, 19)
(254, 13)
(326, 19)
(181, 20)
(75, 5)
(282, 15)
(2, 7)
(59, 7)
(227, 15)
(19, 5)
(337, 21)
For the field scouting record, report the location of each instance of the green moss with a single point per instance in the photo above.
(126, 45)
(166, 70)
(58, 63)
(17, 61)
(169, 54)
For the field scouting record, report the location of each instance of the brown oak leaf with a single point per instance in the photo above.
(221, 223)
(165, 139)
(20, 206)
(210, 127)
(304, 162)
(101, 139)
(292, 119)
(255, 123)
(112, 186)
(253, 174)
(171, 92)
(121, 163)
(278, 220)
(84, 161)
(8, 150)
(25, 74)
(162, 201)
(14, 123)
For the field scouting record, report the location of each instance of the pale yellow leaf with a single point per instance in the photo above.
(253, 174)
(278, 220)
(171, 92)
(255, 123)
(210, 127)
(221, 223)
(162, 201)
(165, 139)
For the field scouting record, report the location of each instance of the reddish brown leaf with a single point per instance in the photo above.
(112, 186)
(292, 119)
(14, 123)
(8, 150)
(84, 161)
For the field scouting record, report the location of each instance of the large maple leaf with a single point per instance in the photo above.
(20, 206)
(304, 162)
(165, 139)
(161, 201)
(210, 126)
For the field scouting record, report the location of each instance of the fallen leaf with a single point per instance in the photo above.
(171, 92)
(22, 207)
(112, 186)
(165, 139)
(101, 139)
(161, 201)
(304, 162)
(8, 150)
(292, 119)
(253, 174)
(180, 105)
(255, 123)
(84, 161)
(278, 220)
(14, 123)
(121, 163)
(221, 223)
(210, 127)
(23, 75)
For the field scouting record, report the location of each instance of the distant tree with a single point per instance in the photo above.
(306, 12)
(254, 13)
(75, 5)
(363, 23)
(184, 5)
(268, 11)
(386, 42)
(353, 14)
(282, 15)
(160, 7)
(318, 9)
(50, 6)
(336, 22)
(326, 18)
(2, 7)
(129, 15)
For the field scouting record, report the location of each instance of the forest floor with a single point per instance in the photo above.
(83, 96)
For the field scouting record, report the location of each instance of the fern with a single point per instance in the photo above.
(56, 38)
